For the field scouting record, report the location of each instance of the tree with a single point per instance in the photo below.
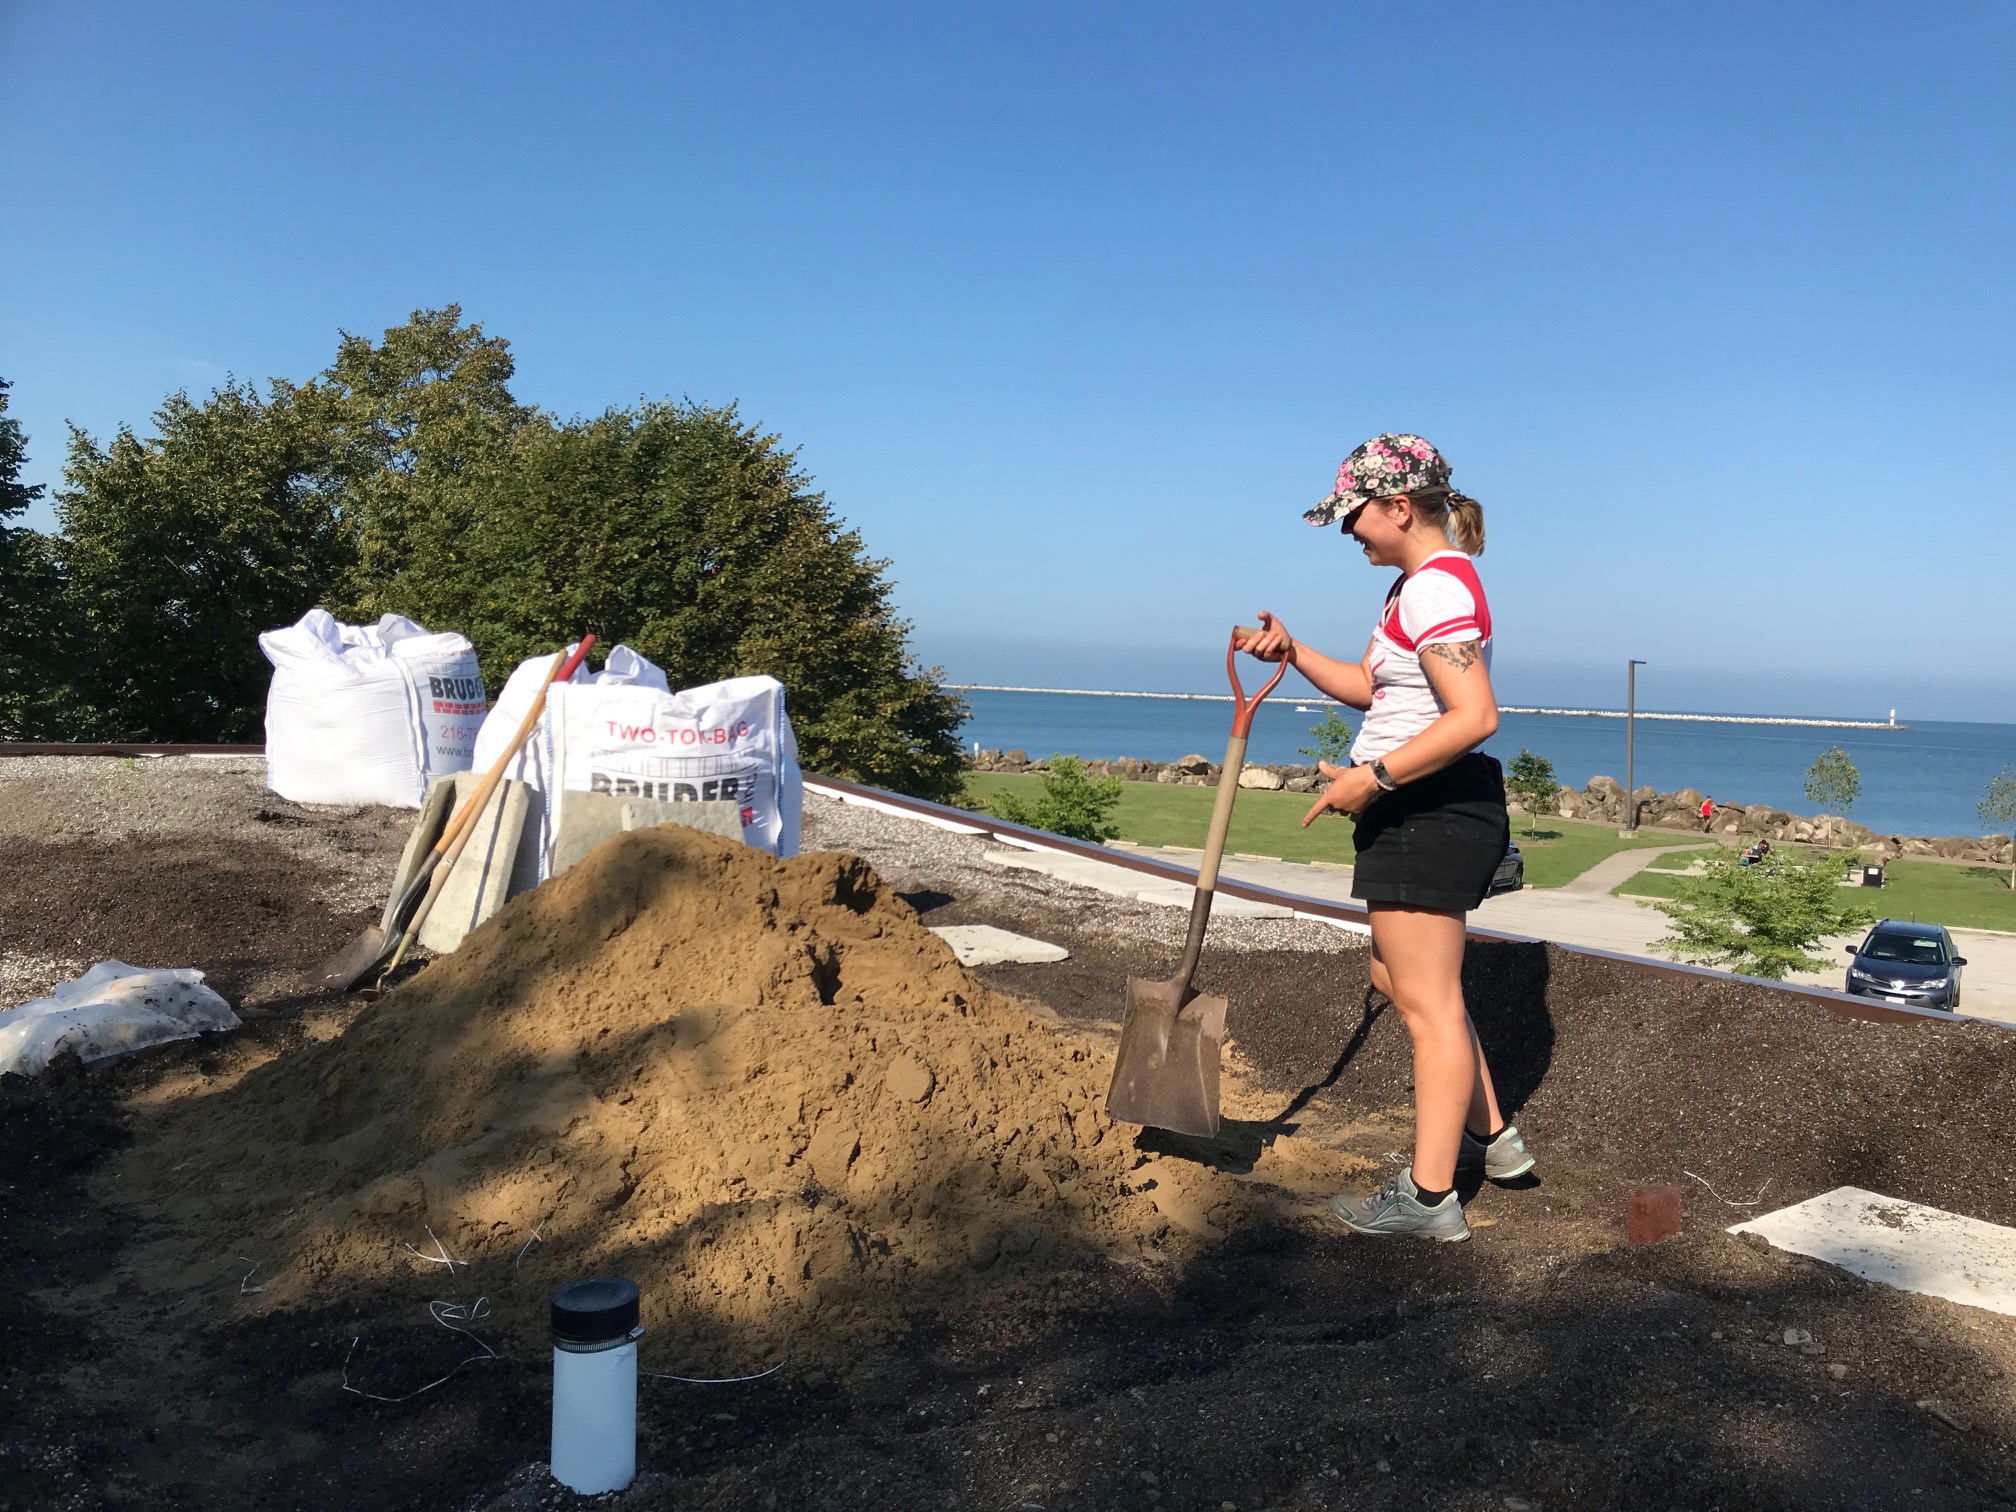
(408, 478)
(1998, 807)
(691, 536)
(1833, 783)
(28, 590)
(1333, 740)
(1531, 777)
(1071, 803)
(1762, 920)
(178, 550)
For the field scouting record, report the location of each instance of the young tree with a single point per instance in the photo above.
(1531, 777)
(1333, 740)
(1998, 808)
(1072, 803)
(1833, 783)
(1762, 920)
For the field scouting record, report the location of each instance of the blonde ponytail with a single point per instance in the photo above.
(1466, 524)
(1456, 515)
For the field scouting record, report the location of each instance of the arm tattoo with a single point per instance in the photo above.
(1461, 655)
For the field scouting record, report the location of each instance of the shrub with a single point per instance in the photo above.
(1762, 920)
(1072, 803)
(1333, 740)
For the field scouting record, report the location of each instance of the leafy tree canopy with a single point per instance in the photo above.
(1531, 779)
(1998, 808)
(1833, 783)
(27, 590)
(407, 478)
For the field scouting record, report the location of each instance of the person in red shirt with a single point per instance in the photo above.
(1707, 813)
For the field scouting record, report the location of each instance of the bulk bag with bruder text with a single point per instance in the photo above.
(368, 713)
(624, 732)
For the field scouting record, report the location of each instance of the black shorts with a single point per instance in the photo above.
(1437, 842)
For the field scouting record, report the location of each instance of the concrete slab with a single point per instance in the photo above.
(1901, 1244)
(585, 820)
(435, 807)
(711, 815)
(480, 882)
(984, 945)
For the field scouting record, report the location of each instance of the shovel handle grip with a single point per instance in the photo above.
(1243, 708)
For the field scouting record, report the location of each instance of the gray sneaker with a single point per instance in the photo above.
(1501, 1160)
(1396, 1209)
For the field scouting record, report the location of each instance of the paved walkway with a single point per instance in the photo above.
(1599, 920)
(1613, 870)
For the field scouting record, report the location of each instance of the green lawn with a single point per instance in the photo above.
(1677, 861)
(1926, 892)
(1269, 824)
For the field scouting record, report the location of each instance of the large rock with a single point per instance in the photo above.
(1194, 765)
(1258, 777)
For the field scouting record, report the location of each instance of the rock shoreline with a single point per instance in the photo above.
(1601, 801)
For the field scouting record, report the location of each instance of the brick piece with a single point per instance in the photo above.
(1654, 1214)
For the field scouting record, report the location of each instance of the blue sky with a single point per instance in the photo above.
(1072, 310)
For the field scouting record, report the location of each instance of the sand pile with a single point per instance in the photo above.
(761, 1089)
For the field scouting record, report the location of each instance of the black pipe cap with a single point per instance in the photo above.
(601, 1311)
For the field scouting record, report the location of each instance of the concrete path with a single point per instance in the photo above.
(1620, 924)
(1614, 870)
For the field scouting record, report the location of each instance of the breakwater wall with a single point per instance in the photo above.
(1735, 719)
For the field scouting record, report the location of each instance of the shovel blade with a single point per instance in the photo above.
(354, 961)
(1166, 1074)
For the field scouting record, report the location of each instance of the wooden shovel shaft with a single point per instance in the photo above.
(1214, 852)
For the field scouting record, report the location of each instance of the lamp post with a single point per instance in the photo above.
(1630, 747)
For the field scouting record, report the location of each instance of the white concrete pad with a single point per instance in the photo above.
(984, 945)
(1901, 1244)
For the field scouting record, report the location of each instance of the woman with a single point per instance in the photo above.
(1430, 807)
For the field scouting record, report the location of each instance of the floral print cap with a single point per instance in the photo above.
(1385, 465)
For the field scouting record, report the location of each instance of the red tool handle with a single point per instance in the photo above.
(1243, 707)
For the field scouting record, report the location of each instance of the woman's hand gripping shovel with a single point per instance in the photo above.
(1166, 1074)
(355, 961)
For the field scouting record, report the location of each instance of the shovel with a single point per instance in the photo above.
(1166, 1074)
(354, 961)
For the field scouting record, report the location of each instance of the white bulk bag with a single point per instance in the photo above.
(623, 731)
(367, 713)
(110, 1010)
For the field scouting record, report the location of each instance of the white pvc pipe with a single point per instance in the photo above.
(595, 1417)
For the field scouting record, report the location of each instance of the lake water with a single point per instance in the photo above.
(1921, 781)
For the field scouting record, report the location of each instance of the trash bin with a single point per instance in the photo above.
(1872, 876)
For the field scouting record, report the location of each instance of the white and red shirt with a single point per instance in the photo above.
(1439, 603)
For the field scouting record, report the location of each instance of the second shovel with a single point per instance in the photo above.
(1166, 1074)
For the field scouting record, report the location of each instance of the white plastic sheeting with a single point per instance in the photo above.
(112, 1009)
(624, 732)
(367, 713)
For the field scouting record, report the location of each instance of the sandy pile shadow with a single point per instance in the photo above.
(761, 1089)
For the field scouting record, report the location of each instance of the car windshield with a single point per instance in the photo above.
(1913, 950)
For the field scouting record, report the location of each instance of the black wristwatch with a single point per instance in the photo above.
(1383, 777)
